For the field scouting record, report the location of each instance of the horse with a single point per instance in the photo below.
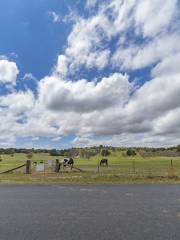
(67, 162)
(104, 162)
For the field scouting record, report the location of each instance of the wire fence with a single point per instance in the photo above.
(131, 168)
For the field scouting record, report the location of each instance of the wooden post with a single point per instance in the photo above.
(134, 168)
(98, 168)
(58, 166)
(28, 166)
(171, 163)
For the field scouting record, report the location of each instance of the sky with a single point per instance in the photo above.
(89, 72)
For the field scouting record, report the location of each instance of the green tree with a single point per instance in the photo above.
(105, 152)
(130, 152)
(54, 152)
(178, 148)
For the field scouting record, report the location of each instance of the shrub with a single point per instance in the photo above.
(178, 148)
(105, 152)
(131, 152)
(29, 155)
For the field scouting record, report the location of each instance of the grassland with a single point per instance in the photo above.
(122, 169)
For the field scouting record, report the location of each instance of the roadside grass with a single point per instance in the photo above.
(122, 169)
(83, 178)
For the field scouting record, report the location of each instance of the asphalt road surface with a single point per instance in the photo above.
(98, 212)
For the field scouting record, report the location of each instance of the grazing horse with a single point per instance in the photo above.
(67, 162)
(104, 162)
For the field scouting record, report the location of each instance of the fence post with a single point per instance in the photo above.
(134, 167)
(28, 166)
(171, 163)
(58, 166)
(98, 166)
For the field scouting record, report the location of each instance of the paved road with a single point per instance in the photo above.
(124, 212)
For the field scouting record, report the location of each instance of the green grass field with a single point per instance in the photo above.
(121, 169)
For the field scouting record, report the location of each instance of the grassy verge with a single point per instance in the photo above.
(84, 178)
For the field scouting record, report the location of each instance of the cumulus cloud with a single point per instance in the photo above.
(62, 65)
(84, 46)
(150, 114)
(8, 72)
(144, 112)
(156, 97)
(83, 96)
(168, 66)
(143, 119)
(91, 38)
(18, 101)
(137, 57)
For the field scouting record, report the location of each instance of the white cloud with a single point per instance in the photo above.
(91, 3)
(55, 17)
(88, 41)
(62, 65)
(156, 97)
(85, 45)
(56, 139)
(168, 66)
(154, 16)
(8, 72)
(84, 96)
(35, 138)
(136, 57)
(29, 77)
(150, 116)
(140, 116)
(3, 57)
(84, 141)
(18, 102)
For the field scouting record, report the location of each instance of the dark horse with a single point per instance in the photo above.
(104, 162)
(68, 162)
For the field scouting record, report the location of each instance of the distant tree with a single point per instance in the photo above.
(88, 154)
(105, 152)
(131, 152)
(12, 153)
(114, 149)
(54, 152)
(70, 153)
(178, 148)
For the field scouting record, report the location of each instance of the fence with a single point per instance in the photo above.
(131, 168)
